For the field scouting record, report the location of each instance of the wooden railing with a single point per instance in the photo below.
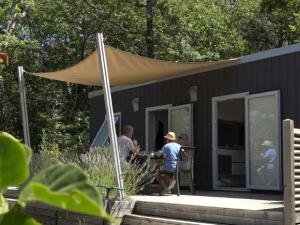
(291, 172)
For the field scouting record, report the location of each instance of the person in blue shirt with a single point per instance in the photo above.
(169, 152)
(268, 170)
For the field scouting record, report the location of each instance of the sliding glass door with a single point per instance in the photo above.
(263, 153)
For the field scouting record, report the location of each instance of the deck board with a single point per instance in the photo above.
(232, 200)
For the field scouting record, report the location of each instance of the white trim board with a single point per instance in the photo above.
(243, 59)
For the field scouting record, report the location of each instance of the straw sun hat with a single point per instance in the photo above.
(267, 143)
(170, 136)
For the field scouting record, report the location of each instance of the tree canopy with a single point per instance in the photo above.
(47, 35)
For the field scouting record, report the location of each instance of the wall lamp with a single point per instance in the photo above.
(193, 93)
(135, 104)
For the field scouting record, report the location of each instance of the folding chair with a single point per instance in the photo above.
(185, 165)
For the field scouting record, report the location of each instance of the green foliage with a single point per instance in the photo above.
(197, 30)
(1, 66)
(268, 24)
(3, 205)
(64, 186)
(17, 216)
(95, 162)
(50, 35)
(98, 165)
(13, 153)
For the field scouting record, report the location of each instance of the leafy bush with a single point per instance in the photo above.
(59, 185)
(99, 165)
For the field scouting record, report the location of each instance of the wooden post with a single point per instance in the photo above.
(288, 172)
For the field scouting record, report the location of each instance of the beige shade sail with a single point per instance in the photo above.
(125, 68)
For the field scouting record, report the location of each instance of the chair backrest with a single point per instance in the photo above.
(185, 158)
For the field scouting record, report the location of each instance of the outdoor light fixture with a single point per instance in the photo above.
(193, 93)
(135, 104)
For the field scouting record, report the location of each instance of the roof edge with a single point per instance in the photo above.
(96, 93)
(270, 53)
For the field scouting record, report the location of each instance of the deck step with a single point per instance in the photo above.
(209, 214)
(134, 219)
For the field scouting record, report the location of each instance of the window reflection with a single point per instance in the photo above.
(263, 141)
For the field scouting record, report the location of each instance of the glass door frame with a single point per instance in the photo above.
(278, 128)
(147, 118)
(215, 166)
(167, 107)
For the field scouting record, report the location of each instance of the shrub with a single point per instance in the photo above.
(99, 165)
(58, 185)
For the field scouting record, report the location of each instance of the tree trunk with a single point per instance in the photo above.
(149, 32)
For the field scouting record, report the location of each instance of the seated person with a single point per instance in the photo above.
(185, 162)
(268, 159)
(183, 140)
(170, 152)
(126, 145)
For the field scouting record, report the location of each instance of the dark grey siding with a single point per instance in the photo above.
(277, 73)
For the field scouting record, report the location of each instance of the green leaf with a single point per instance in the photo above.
(292, 28)
(13, 161)
(64, 186)
(17, 216)
(3, 205)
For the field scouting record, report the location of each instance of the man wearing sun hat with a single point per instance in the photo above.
(170, 152)
(269, 157)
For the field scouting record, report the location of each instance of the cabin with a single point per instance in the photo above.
(231, 115)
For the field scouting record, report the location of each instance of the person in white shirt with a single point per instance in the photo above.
(126, 144)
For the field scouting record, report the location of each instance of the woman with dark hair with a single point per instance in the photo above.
(183, 140)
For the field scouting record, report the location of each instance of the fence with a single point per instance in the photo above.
(291, 172)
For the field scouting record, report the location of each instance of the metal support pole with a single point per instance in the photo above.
(23, 105)
(109, 112)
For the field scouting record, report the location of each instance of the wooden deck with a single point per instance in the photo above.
(235, 200)
(236, 208)
(204, 208)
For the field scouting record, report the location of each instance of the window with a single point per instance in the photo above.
(181, 121)
(102, 137)
(263, 145)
